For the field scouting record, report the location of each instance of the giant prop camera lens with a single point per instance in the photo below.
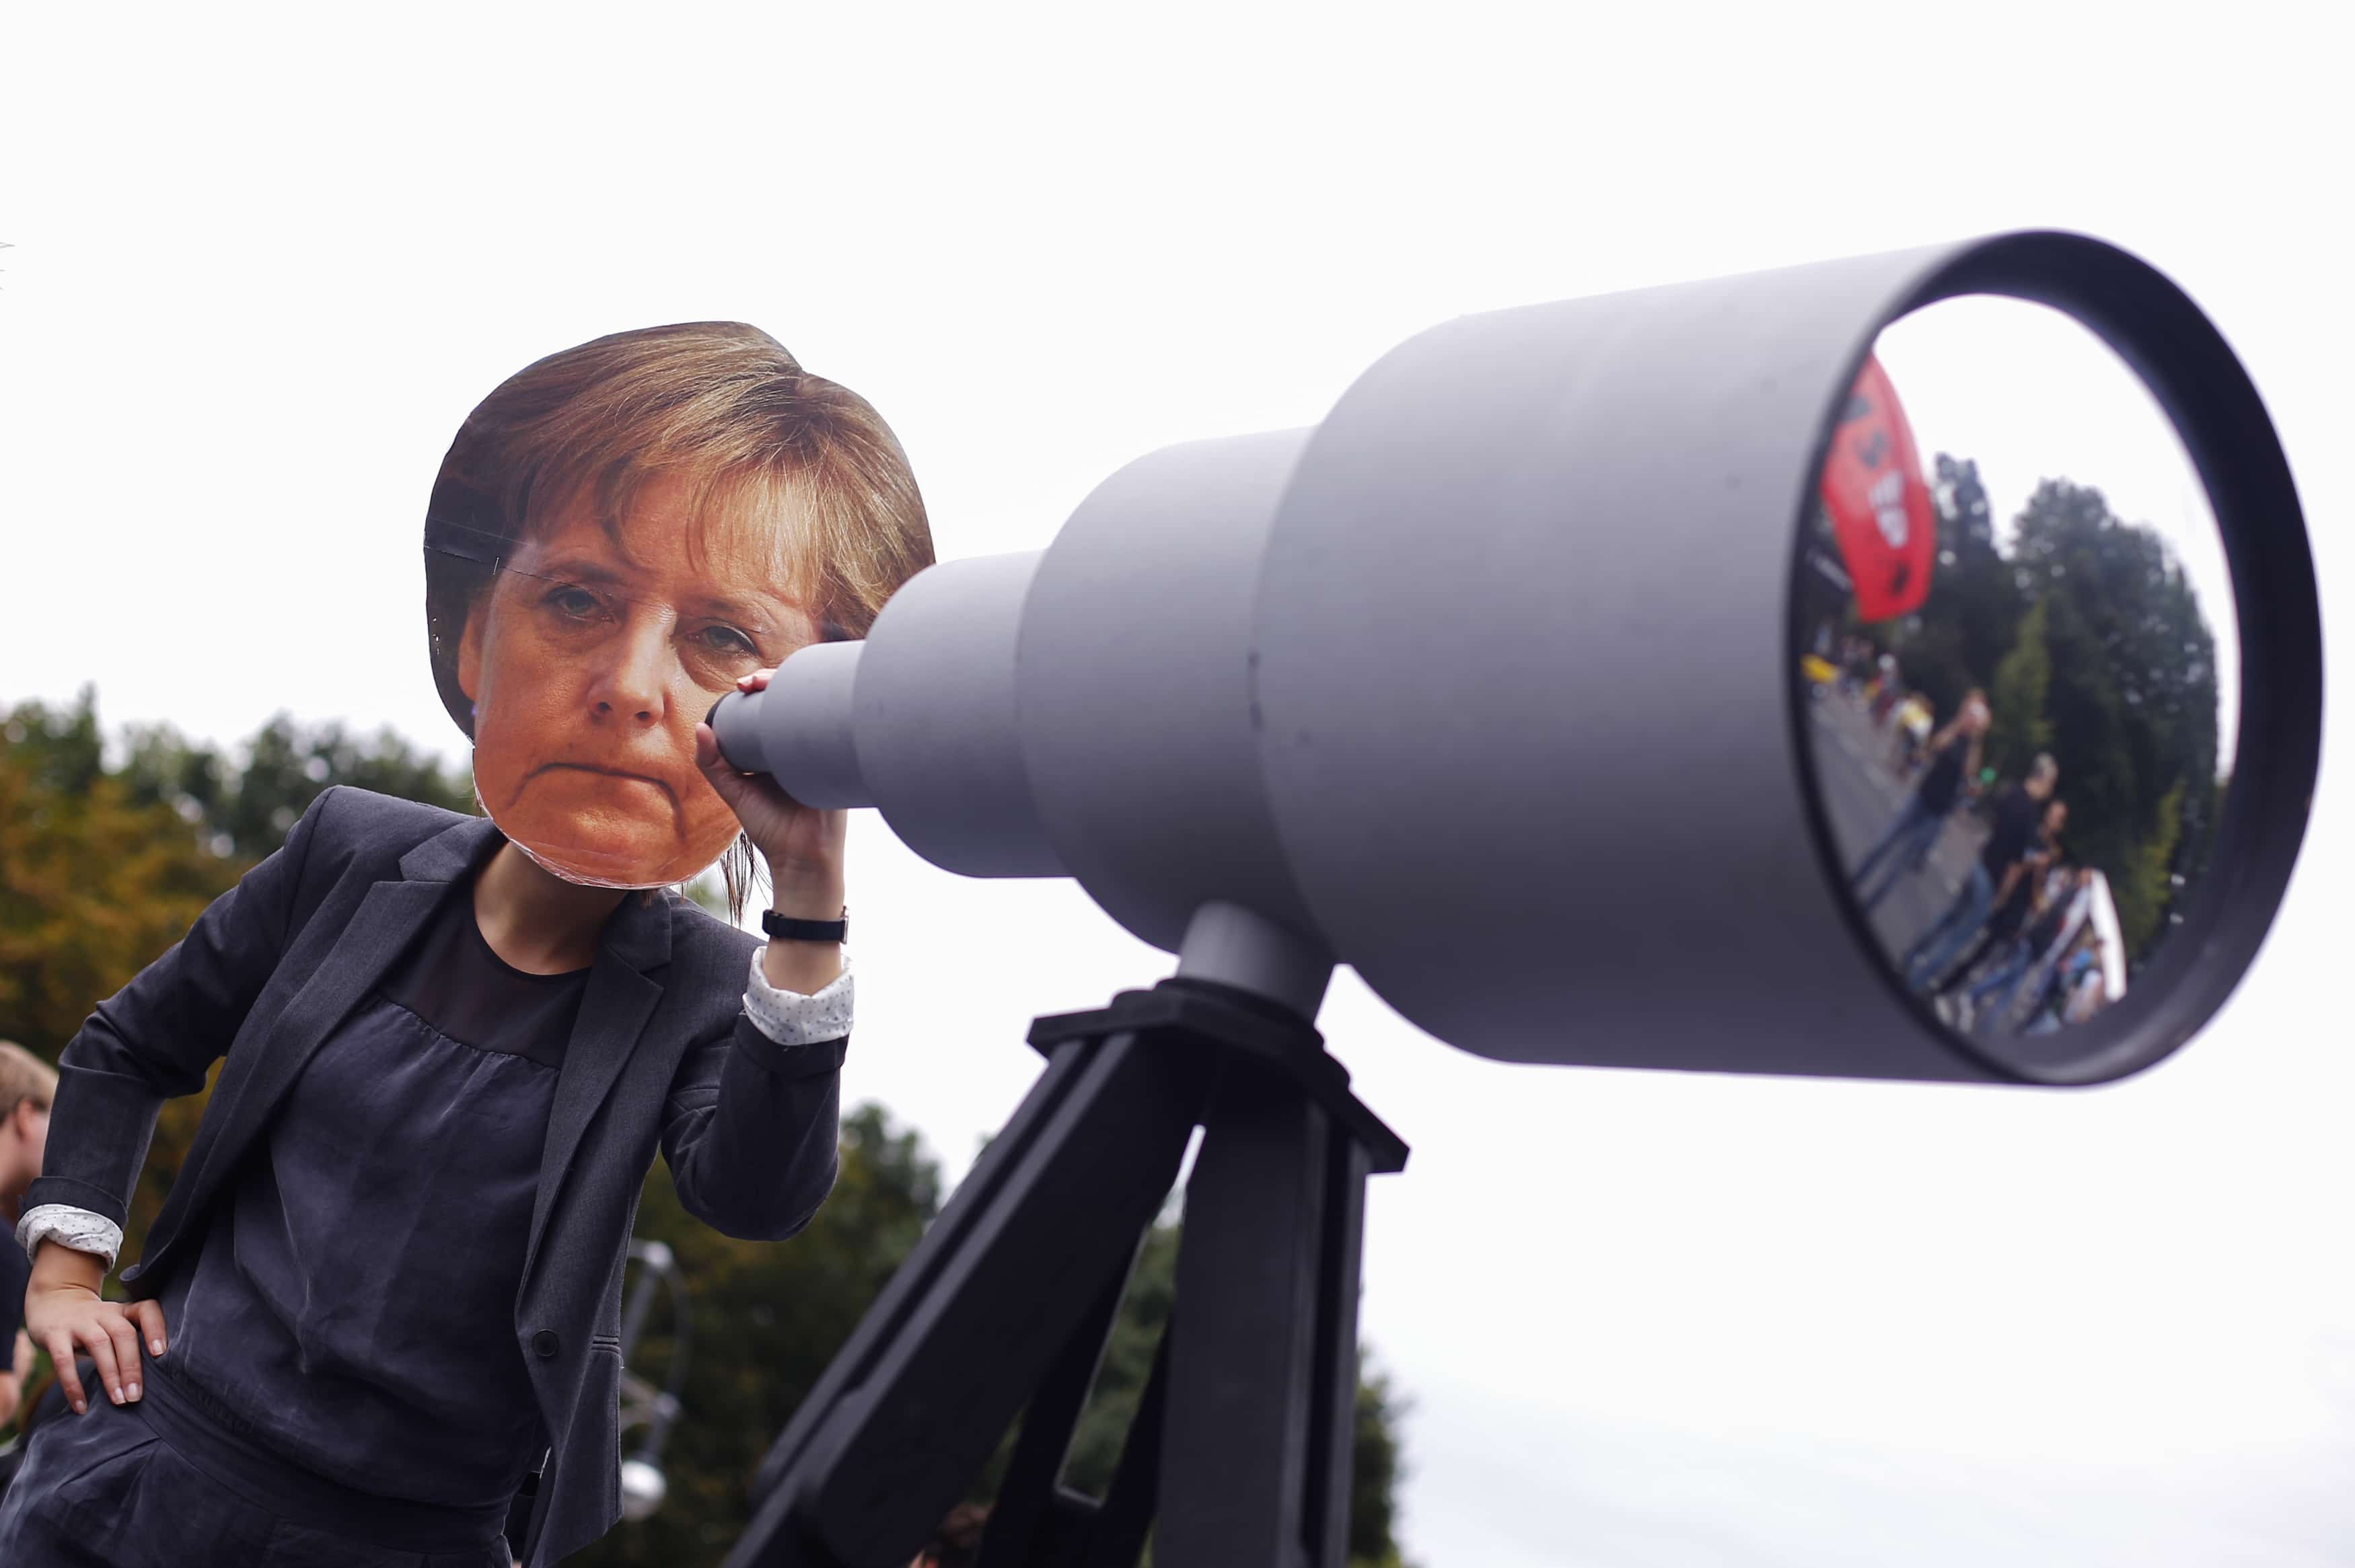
(1904, 667)
(2022, 669)
(1591, 678)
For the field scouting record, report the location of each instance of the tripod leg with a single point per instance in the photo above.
(1334, 1400)
(1251, 1342)
(957, 1344)
(1126, 1518)
(949, 1233)
(1024, 1517)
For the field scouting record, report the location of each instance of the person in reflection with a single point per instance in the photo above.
(2069, 988)
(1913, 740)
(2002, 863)
(1988, 1002)
(2029, 896)
(1857, 666)
(2083, 991)
(1905, 848)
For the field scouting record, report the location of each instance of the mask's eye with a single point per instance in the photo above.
(716, 653)
(574, 602)
(726, 643)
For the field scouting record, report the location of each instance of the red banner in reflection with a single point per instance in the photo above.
(1880, 506)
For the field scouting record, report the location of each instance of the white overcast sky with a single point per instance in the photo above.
(263, 263)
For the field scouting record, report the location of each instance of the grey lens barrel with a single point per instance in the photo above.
(1486, 686)
(919, 721)
(804, 735)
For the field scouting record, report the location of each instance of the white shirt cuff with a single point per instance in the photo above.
(789, 1017)
(68, 1226)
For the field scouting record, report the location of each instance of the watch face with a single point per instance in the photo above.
(619, 533)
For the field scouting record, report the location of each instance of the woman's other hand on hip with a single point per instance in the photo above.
(65, 1315)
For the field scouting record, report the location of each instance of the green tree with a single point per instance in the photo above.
(2017, 696)
(1375, 1468)
(1986, 594)
(94, 880)
(2092, 646)
(2143, 892)
(247, 805)
(764, 1319)
(784, 1310)
(2132, 702)
(1971, 617)
(1127, 1365)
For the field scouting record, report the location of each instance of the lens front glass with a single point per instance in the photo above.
(2017, 652)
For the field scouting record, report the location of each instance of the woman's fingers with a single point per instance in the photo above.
(726, 782)
(707, 744)
(150, 1315)
(100, 1346)
(61, 1356)
(122, 1335)
(742, 791)
(707, 754)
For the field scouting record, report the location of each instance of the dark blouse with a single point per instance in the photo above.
(351, 1311)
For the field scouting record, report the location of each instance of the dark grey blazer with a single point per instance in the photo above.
(662, 1056)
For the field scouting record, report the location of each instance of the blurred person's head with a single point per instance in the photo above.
(2056, 817)
(2043, 775)
(27, 1085)
(619, 533)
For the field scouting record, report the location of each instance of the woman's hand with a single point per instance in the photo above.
(804, 848)
(63, 1314)
(802, 844)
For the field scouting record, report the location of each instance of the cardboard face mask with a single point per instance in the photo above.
(619, 533)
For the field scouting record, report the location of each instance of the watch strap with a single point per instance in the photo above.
(785, 928)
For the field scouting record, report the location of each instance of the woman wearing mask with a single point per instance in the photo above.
(382, 1300)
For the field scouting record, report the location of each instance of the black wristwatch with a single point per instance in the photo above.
(785, 928)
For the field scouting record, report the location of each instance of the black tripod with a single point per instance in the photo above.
(1242, 1445)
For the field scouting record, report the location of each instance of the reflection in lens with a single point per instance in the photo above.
(2017, 645)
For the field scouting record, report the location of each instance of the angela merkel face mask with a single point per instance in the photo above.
(620, 533)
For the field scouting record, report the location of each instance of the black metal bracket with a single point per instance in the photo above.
(1239, 1456)
(1241, 1022)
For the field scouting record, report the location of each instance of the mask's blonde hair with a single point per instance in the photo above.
(717, 405)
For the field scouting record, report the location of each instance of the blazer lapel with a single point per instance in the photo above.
(389, 917)
(388, 920)
(620, 998)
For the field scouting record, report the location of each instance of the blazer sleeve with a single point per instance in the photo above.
(157, 1037)
(750, 1129)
